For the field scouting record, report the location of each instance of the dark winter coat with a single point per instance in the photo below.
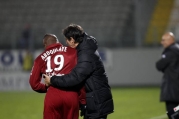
(169, 65)
(89, 70)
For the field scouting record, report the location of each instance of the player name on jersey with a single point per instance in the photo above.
(48, 52)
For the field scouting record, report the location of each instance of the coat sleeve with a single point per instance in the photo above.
(165, 61)
(81, 72)
(35, 79)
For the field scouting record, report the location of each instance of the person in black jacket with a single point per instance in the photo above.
(89, 71)
(169, 66)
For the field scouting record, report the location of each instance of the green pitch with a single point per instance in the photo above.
(129, 103)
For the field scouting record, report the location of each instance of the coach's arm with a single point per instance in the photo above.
(80, 73)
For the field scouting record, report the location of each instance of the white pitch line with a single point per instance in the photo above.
(160, 117)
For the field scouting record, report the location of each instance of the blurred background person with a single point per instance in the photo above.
(24, 41)
(27, 61)
(168, 64)
(25, 49)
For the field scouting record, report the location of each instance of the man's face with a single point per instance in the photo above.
(70, 42)
(166, 41)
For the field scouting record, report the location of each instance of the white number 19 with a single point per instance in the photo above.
(56, 62)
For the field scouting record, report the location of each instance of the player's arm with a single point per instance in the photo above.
(80, 73)
(165, 61)
(35, 79)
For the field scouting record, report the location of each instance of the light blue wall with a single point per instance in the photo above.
(134, 67)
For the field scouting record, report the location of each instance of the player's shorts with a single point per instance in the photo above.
(60, 104)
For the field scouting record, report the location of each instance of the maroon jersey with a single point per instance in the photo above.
(58, 104)
(55, 60)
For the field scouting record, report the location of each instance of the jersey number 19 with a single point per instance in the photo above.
(56, 61)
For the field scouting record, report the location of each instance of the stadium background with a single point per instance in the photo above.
(128, 34)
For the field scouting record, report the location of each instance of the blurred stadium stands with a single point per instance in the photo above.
(103, 19)
(115, 23)
(159, 21)
(173, 24)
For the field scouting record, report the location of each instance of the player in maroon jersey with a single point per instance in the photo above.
(56, 60)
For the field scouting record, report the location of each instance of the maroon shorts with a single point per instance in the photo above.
(59, 104)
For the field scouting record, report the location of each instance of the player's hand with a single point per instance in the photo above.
(47, 80)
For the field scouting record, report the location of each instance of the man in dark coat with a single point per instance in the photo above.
(169, 66)
(89, 71)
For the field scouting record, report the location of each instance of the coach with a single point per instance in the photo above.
(169, 66)
(89, 70)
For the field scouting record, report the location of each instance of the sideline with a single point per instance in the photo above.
(160, 117)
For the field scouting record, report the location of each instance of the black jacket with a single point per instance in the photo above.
(169, 65)
(89, 70)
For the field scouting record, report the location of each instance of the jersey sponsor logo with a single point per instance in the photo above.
(54, 74)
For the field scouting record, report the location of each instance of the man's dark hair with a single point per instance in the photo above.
(75, 31)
